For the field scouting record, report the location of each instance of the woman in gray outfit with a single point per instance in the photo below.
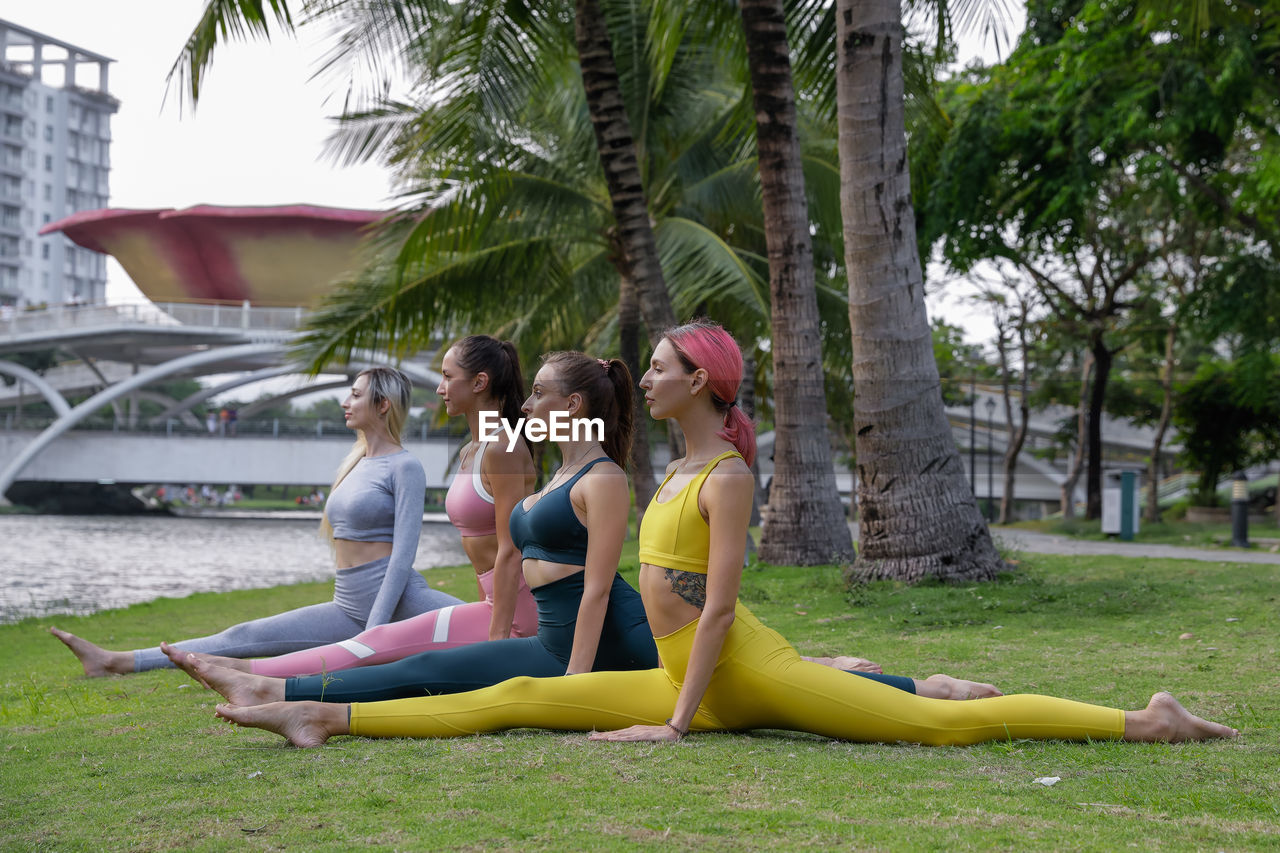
(373, 518)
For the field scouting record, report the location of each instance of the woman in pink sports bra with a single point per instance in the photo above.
(479, 374)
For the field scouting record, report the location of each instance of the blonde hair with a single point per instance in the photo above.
(385, 383)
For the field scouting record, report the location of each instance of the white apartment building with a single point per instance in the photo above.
(55, 140)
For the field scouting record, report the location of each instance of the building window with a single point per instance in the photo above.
(48, 192)
(26, 248)
(44, 251)
(48, 162)
(48, 103)
(45, 219)
(48, 133)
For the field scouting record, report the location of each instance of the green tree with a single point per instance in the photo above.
(1226, 424)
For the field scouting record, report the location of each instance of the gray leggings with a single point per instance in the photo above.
(354, 591)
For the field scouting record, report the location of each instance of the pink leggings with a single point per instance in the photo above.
(445, 628)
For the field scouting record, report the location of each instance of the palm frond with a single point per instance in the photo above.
(701, 267)
(222, 21)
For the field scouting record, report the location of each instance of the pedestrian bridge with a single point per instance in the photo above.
(124, 348)
(92, 456)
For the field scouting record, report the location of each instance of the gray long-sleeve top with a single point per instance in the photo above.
(381, 500)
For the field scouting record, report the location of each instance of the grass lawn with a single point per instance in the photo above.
(140, 763)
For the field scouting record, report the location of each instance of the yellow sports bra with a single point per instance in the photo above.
(673, 534)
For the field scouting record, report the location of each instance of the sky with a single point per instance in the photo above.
(257, 136)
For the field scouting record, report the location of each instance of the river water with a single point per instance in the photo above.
(82, 564)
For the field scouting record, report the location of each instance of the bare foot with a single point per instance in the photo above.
(96, 660)
(1164, 719)
(238, 688)
(945, 687)
(846, 663)
(852, 664)
(184, 660)
(305, 724)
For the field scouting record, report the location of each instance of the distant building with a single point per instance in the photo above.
(55, 140)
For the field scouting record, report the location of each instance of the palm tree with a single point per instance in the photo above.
(918, 517)
(508, 232)
(617, 148)
(805, 524)
(382, 27)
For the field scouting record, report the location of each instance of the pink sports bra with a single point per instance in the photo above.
(468, 504)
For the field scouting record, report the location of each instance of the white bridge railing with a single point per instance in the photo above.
(226, 316)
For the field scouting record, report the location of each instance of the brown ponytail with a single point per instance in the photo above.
(617, 441)
(608, 392)
(501, 363)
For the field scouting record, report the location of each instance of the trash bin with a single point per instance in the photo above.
(1120, 510)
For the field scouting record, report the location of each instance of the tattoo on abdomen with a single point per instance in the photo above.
(691, 586)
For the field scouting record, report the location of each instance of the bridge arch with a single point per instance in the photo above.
(26, 374)
(192, 400)
(257, 406)
(72, 417)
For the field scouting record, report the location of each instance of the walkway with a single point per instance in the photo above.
(1012, 539)
(1045, 543)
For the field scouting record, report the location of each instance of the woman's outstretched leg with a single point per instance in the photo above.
(96, 660)
(290, 631)
(760, 682)
(303, 724)
(238, 688)
(595, 700)
(945, 687)
(446, 628)
(804, 697)
(1164, 719)
(183, 659)
(848, 663)
(435, 630)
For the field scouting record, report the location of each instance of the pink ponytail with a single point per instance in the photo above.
(704, 344)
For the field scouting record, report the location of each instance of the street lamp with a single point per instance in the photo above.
(991, 410)
(1240, 511)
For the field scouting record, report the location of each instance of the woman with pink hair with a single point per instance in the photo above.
(722, 668)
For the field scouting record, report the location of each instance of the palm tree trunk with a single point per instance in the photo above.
(917, 514)
(1152, 513)
(1076, 466)
(629, 345)
(747, 400)
(617, 148)
(804, 524)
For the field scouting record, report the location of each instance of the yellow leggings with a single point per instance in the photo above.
(760, 682)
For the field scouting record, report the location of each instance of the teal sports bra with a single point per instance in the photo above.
(549, 530)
